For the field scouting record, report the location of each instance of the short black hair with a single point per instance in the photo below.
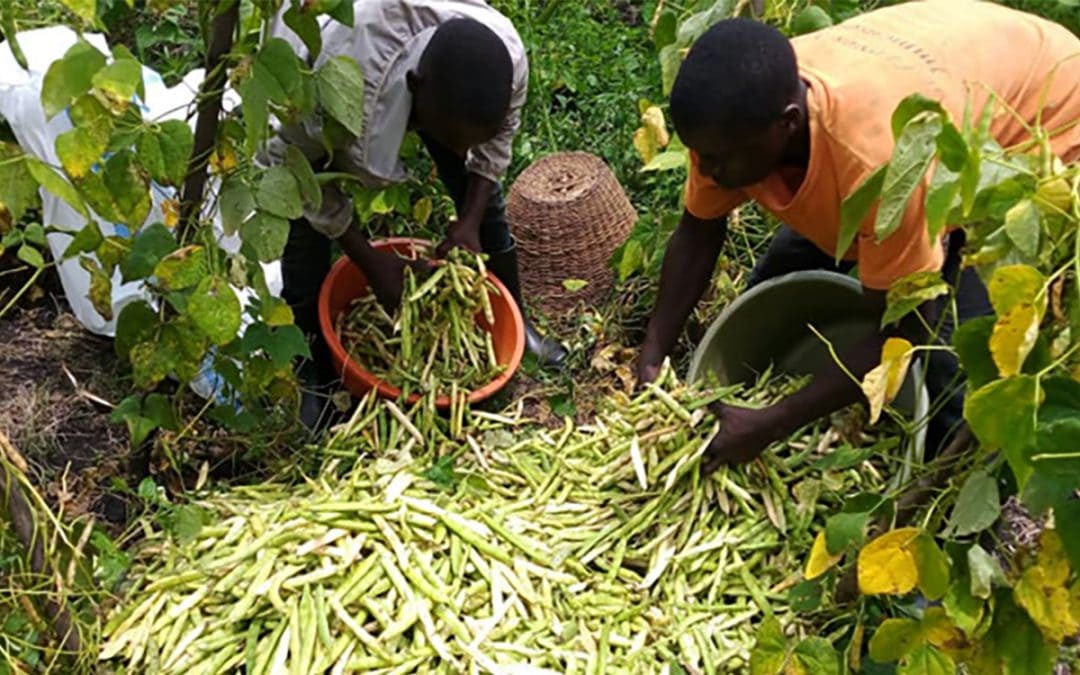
(469, 69)
(739, 75)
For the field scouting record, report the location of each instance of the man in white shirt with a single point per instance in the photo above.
(456, 72)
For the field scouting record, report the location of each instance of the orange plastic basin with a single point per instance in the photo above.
(346, 282)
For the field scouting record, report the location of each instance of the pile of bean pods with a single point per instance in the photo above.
(433, 342)
(512, 548)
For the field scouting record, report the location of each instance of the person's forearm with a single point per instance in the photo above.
(357, 247)
(478, 191)
(832, 389)
(688, 267)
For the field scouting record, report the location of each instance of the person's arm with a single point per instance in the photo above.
(688, 266)
(465, 231)
(385, 272)
(745, 433)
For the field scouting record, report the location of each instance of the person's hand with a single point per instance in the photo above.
(387, 276)
(648, 365)
(459, 236)
(744, 434)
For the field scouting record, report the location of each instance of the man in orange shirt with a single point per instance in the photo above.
(798, 125)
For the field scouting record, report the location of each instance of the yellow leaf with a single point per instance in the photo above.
(645, 143)
(1014, 336)
(897, 353)
(422, 210)
(653, 120)
(223, 159)
(820, 561)
(1014, 284)
(1043, 593)
(883, 382)
(887, 564)
(940, 631)
(170, 208)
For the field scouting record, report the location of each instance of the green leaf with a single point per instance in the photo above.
(342, 13)
(55, 184)
(770, 651)
(843, 530)
(933, 567)
(10, 34)
(944, 187)
(668, 161)
(964, 609)
(278, 193)
(282, 344)
(442, 473)
(910, 108)
(633, 255)
(84, 9)
(856, 207)
(280, 68)
(670, 62)
(1050, 487)
(266, 235)
(895, 638)
(186, 523)
(927, 660)
(985, 572)
(952, 148)
(340, 86)
(972, 344)
(907, 293)
(809, 20)
(215, 310)
(977, 505)
(86, 240)
(1013, 285)
(1017, 640)
(136, 323)
(235, 203)
(34, 233)
(112, 563)
(911, 158)
(165, 152)
(1023, 227)
(182, 268)
(816, 657)
(118, 83)
(306, 27)
(152, 243)
(308, 185)
(18, 187)
(1002, 416)
(144, 414)
(805, 596)
(255, 93)
(664, 30)
(79, 149)
(70, 77)
(31, 256)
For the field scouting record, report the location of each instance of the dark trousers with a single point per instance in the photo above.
(306, 260)
(791, 252)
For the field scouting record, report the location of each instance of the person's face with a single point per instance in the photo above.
(737, 160)
(448, 132)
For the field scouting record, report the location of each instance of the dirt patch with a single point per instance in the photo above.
(59, 382)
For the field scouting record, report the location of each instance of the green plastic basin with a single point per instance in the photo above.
(769, 325)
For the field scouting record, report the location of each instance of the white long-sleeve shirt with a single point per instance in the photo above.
(386, 41)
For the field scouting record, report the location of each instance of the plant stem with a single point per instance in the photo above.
(209, 110)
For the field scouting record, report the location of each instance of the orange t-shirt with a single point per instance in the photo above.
(858, 71)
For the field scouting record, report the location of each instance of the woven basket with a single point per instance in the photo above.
(568, 214)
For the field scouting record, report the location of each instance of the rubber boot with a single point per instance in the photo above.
(550, 353)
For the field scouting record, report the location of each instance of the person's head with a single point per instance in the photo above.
(462, 86)
(737, 101)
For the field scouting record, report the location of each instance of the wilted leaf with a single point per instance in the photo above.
(79, 149)
(182, 268)
(887, 564)
(1015, 284)
(909, 291)
(100, 292)
(1044, 594)
(883, 382)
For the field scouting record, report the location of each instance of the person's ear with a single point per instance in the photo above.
(413, 80)
(791, 118)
